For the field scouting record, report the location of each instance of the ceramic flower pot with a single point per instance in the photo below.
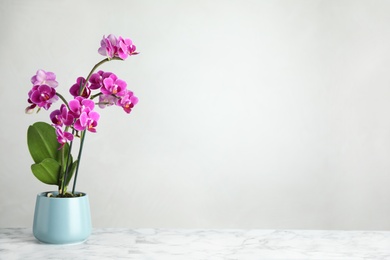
(62, 220)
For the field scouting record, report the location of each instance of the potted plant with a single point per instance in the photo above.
(63, 216)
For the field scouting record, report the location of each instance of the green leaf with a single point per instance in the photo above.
(43, 145)
(47, 171)
(42, 142)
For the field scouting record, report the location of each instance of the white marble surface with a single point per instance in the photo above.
(19, 243)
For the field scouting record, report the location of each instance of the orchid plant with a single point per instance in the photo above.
(50, 145)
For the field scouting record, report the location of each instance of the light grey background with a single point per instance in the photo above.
(252, 114)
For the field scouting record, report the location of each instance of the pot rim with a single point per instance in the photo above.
(44, 194)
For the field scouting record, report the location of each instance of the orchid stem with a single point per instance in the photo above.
(78, 161)
(63, 99)
(94, 68)
(61, 176)
(68, 162)
(96, 95)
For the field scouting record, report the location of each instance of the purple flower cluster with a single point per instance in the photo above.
(116, 47)
(79, 113)
(43, 92)
(113, 91)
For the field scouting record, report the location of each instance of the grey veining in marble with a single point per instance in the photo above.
(146, 244)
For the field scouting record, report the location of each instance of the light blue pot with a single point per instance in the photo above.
(62, 220)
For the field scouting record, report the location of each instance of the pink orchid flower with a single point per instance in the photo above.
(87, 121)
(128, 101)
(108, 46)
(62, 136)
(44, 78)
(61, 116)
(42, 96)
(114, 86)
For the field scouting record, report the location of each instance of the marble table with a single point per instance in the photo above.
(207, 244)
